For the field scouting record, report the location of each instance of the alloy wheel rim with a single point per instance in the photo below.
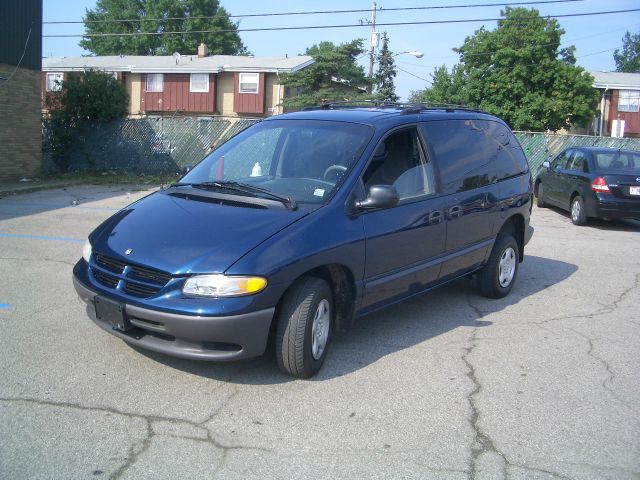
(575, 210)
(320, 329)
(507, 267)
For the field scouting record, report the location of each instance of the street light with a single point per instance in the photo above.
(412, 53)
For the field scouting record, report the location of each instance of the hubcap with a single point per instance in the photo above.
(575, 210)
(320, 329)
(507, 267)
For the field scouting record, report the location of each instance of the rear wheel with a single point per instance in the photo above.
(497, 277)
(578, 216)
(304, 327)
(540, 200)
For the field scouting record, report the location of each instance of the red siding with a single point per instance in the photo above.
(177, 97)
(248, 102)
(631, 119)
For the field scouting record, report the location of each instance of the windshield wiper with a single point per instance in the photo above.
(288, 202)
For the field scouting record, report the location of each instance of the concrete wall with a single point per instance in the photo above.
(20, 124)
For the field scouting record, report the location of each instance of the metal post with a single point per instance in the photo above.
(372, 51)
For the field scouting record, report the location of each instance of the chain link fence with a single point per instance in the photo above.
(538, 147)
(168, 144)
(146, 145)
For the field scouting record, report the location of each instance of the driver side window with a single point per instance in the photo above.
(560, 162)
(399, 161)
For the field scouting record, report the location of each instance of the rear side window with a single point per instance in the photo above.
(473, 153)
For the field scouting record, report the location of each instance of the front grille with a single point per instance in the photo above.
(105, 279)
(138, 281)
(110, 263)
(139, 290)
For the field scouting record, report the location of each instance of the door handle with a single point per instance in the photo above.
(455, 211)
(436, 217)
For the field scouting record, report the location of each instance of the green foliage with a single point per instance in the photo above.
(519, 73)
(629, 59)
(334, 76)
(385, 88)
(223, 43)
(83, 97)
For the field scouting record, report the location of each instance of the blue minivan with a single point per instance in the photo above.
(304, 222)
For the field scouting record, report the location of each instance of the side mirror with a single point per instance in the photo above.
(380, 196)
(546, 164)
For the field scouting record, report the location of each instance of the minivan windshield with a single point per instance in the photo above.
(618, 162)
(303, 160)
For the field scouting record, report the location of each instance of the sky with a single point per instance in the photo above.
(595, 37)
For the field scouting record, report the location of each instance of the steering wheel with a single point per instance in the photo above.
(334, 168)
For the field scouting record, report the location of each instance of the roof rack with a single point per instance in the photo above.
(407, 108)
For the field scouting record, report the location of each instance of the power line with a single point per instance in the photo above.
(319, 12)
(309, 27)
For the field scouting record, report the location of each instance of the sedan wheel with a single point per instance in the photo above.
(578, 216)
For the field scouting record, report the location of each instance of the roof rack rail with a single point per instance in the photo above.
(407, 108)
(353, 104)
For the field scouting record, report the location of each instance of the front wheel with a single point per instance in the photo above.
(578, 216)
(304, 327)
(497, 277)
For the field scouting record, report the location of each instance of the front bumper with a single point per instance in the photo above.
(188, 336)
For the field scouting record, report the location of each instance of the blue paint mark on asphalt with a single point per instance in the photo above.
(4, 305)
(41, 237)
(56, 205)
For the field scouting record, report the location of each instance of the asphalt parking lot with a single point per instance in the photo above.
(450, 385)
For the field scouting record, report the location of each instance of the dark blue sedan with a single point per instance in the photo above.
(592, 182)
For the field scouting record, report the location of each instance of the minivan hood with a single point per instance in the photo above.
(194, 235)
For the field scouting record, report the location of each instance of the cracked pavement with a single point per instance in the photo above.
(450, 385)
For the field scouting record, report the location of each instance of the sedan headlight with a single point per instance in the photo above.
(223, 286)
(86, 251)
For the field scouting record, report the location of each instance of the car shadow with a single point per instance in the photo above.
(390, 330)
(621, 225)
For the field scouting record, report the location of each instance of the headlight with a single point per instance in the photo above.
(223, 286)
(86, 251)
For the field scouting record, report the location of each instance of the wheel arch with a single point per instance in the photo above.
(342, 284)
(515, 226)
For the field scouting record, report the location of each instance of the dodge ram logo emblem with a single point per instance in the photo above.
(128, 251)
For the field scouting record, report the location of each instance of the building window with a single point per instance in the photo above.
(53, 82)
(199, 82)
(629, 101)
(155, 82)
(249, 82)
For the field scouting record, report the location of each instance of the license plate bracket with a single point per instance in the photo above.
(634, 191)
(112, 313)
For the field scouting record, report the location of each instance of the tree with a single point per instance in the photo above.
(629, 59)
(447, 88)
(83, 97)
(334, 76)
(175, 15)
(385, 88)
(519, 73)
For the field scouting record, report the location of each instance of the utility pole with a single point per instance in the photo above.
(374, 43)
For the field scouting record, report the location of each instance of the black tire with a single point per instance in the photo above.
(577, 213)
(294, 342)
(491, 279)
(540, 200)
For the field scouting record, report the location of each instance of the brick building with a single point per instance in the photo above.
(196, 84)
(20, 64)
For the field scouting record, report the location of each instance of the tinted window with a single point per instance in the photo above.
(399, 161)
(578, 162)
(473, 153)
(560, 162)
(616, 161)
